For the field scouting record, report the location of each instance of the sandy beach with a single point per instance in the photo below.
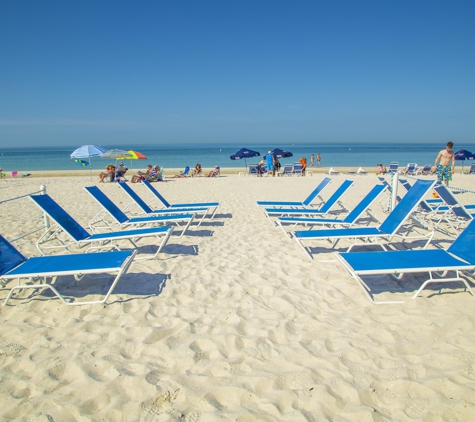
(231, 322)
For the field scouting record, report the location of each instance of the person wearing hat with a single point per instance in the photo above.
(270, 164)
(121, 170)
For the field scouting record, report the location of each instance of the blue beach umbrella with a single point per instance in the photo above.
(463, 155)
(281, 153)
(244, 153)
(88, 151)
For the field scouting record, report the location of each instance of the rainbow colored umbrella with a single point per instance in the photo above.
(133, 155)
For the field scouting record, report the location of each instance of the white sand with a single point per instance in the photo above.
(232, 322)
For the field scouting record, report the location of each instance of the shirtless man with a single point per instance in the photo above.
(444, 170)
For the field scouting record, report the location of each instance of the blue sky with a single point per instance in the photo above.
(117, 72)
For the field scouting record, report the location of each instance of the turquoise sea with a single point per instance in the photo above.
(336, 155)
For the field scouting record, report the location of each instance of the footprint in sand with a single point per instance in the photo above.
(158, 404)
(416, 411)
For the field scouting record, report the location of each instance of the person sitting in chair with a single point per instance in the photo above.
(197, 170)
(109, 173)
(213, 172)
(141, 175)
(121, 170)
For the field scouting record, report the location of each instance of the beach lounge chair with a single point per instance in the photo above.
(471, 170)
(387, 230)
(167, 205)
(348, 221)
(76, 235)
(2, 174)
(14, 174)
(425, 171)
(288, 170)
(452, 212)
(253, 170)
(333, 172)
(46, 269)
(393, 167)
(460, 256)
(322, 211)
(119, 218)
(297, 169)
(305, 203)
(411, 169)
(362, 172)
(145, 210)
(185, 173)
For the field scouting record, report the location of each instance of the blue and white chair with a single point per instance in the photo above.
(305, 203)
(322, 211)
(386, 231)
(145, 210)
(119, 218)
(76, 235)
(166, 205)
(348, 221)
(40, 272)
(393, 167)
(288, 170)
(411, 169)
(459, 257)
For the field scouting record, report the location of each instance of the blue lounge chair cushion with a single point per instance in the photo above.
(73, 264)
(366, 263)
(331, 233)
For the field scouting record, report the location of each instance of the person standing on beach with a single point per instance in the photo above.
(312, 160)
(318, 160)
(270, 164)
(444, 169)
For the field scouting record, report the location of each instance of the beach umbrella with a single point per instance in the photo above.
(116, 153)
(88, 151)
(463, 155)
(280, 153)
(244, 153)
(134, 155)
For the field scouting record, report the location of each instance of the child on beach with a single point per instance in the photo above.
(444, 170)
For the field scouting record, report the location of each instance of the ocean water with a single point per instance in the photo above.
(366, 155)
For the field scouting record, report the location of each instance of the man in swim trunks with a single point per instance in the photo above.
(445, 169)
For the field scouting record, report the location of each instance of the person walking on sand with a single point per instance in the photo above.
(312, 160)
(444, 168)
(319, 158)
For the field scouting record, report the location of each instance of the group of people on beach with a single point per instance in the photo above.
(312, 160)
(444, 164)
(113, 172)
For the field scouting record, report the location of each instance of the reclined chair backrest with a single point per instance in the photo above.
(365, 203)
(336, 196)
(62, 218)
(186, 171)
(456, 207)
(107, 204)
(11, 257)
(137, 199)
(406, 206)
(423, 204)
(253, 169)
(322, 185)
(288, 168)
(393, 167)
(297, 168)
(156, 193)
(462, 246)
(472, 169)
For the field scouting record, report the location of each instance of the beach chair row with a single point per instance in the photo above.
(108, 227)
(414, 218)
